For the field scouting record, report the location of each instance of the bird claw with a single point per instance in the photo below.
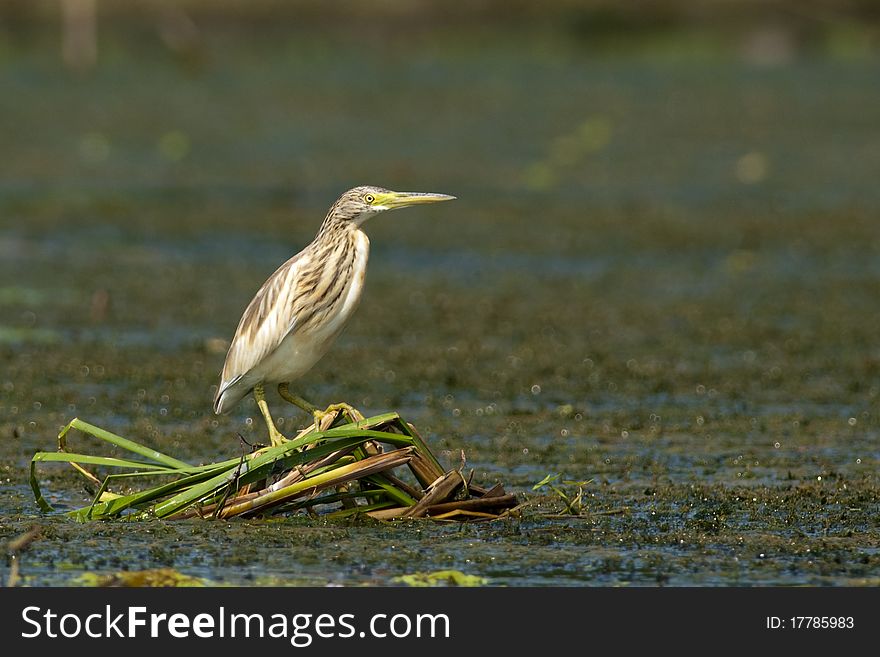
(354, 415)
(276, 437)
(325, 419)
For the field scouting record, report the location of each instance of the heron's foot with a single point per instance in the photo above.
(354, 415)
(276, 437)
(325, 419)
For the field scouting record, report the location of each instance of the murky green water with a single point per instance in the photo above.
(662, 274)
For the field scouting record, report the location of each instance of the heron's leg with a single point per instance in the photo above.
(315, 412)
(296, 400)
(274, 435)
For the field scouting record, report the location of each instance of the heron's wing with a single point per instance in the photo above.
(268, 319)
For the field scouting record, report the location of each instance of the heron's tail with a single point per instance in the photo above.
(229, 394)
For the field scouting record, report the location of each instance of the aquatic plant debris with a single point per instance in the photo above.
(151, 577)
(349, 465)
(441, 578)
(574, 501)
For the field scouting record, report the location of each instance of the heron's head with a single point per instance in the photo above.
(359, 204)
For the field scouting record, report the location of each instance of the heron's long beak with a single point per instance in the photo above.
(393, 200)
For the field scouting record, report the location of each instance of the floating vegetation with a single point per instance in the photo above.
(152, 577)
(441, 578)
(569, 491)
(379, 467)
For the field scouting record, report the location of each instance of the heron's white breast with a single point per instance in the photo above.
(352, 295)
(300, 350)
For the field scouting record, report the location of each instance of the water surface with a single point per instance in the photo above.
(662, 275)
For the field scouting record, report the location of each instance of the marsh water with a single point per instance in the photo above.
(661, 276)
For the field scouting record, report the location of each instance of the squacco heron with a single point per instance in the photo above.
(302, 308)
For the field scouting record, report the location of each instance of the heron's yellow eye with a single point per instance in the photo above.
(369, 198)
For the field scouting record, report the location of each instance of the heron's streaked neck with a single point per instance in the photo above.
(333, 227)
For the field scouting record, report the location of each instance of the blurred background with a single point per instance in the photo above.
(662, 270)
